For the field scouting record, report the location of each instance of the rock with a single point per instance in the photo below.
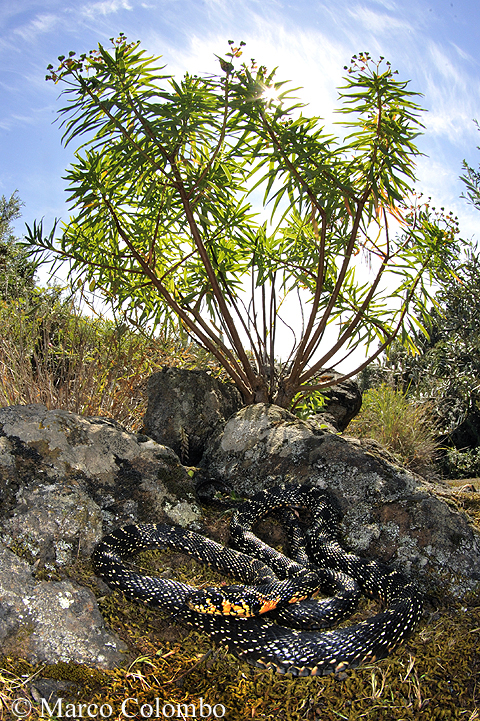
(66, 480)
(52, 622)
(388, 513)
(343, 402)
(61, 475)
(61, 512)
(185, 407)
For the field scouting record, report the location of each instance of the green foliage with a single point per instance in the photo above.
(17, 270)
(406, 429)
(448, 365)
(306, 406)
(472, 181)
(446, 369)
(463, 463)
(52, 353)
(163, 223)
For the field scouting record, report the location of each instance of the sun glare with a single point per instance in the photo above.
(270, 95)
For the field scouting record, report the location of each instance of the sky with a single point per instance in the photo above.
(434, 43)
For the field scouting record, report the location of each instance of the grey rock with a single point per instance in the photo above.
(66, 480)
(388, 513)
(61, 474)
(59, 518)
(51, 622)
(343, 402)
(184, 408)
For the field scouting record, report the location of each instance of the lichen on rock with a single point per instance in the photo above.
(65, 480)
(52, 621)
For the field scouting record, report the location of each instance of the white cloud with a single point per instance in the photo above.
(441, 181)
(463, 54)
(451, 95)
(387, 5)
(24, 119)
(104, 7)
(444, 65)
(378, 23)
(40, 24)
(310, 59)
(448, 120)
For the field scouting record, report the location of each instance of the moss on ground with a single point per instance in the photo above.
(434, 676)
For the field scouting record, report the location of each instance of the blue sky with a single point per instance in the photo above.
(435, 43)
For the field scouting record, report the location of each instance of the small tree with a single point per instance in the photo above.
(164, 225)
(17, 269)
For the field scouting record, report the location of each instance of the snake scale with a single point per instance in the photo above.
(271, 619)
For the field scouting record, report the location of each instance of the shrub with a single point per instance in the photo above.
(405, 428)
(166, 225)
(17, 268)
(462, 463)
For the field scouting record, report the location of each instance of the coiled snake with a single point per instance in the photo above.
(271, 620)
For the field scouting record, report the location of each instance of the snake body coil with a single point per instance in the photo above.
(271, 620)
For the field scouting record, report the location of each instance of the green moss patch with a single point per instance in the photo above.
(434, 676)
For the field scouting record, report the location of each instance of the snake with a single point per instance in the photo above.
(277, 618)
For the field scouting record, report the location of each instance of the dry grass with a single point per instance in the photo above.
(60, 358)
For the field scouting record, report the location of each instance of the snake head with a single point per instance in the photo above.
(225, 601)
(238, 601)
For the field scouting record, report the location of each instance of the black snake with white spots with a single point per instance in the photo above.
(271, 620)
